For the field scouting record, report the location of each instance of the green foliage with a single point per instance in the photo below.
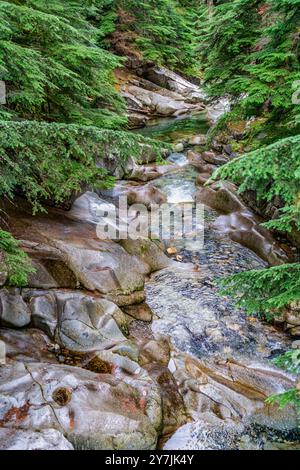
(266, 291)
(286, 398)
(289, 361)
(55, 60)
(60, 91)
(272, 171)
(53, 65)
(52, 161)
(13, 260)
(164, 35)
(229, 35)
(250, 51)
(163, 31)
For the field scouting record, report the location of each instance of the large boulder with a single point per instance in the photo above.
(223, 200)
(76, 321)
(27, 345)
(121, 167)
(162, 93)
(213, 159)
(202, 179)
(13, 310)
(136, 193)
(223, 396)
(93, 411)
(174, 412)
(197, 161)
(239, 223)
(226, 399)
(144, 173)
(156, 103)
(84, 323)
(146, 195)
(172, 81)
(136, 120)
(150, 252)
(67, 253)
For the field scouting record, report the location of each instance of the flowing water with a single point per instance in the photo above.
(200, 322)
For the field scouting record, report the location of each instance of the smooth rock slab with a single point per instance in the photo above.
(203, 435)
(51, 439)
(172, 81)
(27, 345)
(233, 390)
(88, 323)
(13, 310)
(93, 411)
(77, 321)
(73, 246)
(157, 103)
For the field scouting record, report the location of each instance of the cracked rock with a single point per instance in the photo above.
(101, 413)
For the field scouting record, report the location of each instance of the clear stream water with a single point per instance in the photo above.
(186, 303)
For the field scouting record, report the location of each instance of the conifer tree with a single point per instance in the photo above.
(53, 66)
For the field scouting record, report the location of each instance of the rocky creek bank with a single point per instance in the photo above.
(119, 344)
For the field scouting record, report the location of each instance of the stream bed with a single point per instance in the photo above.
(208, 327)
(115, 345)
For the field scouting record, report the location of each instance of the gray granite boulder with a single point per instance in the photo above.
(93, 411)
(13, 310)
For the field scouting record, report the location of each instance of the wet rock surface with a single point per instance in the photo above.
(29, 345)
(240, 223)
(50, 439)
(214, 434)
(127, 344)
(160, 93)
(93, 411)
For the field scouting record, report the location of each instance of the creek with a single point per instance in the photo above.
(115, 345)
(206, 326)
